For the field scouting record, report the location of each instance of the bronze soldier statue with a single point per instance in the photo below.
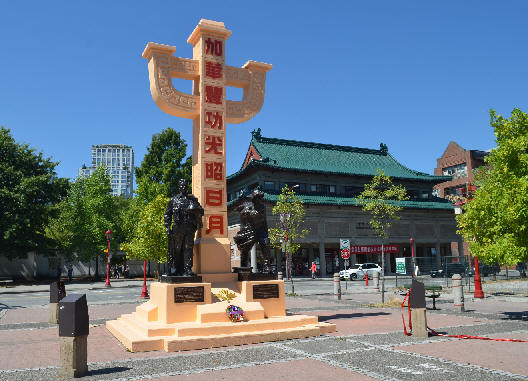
(183, 217)
(253, 228)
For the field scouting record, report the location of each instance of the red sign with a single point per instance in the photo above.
(374, 249)
(345, 253)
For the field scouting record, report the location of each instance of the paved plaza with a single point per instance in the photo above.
(369, 343)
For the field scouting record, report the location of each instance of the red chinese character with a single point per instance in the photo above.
(213, 94)
(214, 171)
(213, 47)
(213, 70)
(218, 121)
(212, 143)
(213, 197)
(215, 223)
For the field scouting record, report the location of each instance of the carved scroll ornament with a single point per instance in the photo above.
(163, 66)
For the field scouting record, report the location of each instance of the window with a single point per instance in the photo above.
(332, 188)
(269, 185)
(352, 190)
(313, 188)
(457, 171)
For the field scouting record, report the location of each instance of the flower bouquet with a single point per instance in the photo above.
(235, 313)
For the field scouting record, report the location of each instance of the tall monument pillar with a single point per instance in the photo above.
(210, 111)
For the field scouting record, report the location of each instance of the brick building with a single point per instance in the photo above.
(458, 163)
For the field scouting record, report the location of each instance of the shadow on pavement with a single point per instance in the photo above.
(102, 371)
(516, 315)
(6, 307)
(352, 315)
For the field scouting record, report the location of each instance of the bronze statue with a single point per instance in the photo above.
(183, 217)
(253, 228)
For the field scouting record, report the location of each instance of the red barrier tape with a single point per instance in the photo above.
(403, 318)
(434, 333)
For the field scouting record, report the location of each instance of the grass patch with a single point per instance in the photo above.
(394, 302)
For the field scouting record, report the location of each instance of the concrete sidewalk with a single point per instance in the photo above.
(369, 344)
(75, 285)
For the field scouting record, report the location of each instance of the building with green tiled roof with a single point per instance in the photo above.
(328, 179)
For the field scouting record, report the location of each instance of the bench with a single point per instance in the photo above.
(432, 292)
(5, 282)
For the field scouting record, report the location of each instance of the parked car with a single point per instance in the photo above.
(449, 269)
(358, 271)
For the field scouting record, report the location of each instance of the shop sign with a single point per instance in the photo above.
(374, 249)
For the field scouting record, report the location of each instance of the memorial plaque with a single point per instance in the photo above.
(265, 291)
(188, 294)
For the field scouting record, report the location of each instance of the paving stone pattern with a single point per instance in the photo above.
(371, 355)
(389, 355)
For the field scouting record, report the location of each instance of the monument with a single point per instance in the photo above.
(182, 218)
(186, 312)
(253, 230)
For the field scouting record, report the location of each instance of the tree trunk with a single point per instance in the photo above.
(290, 274)
(159, 270)
(96, 275)
(382, 273)
(148, 272)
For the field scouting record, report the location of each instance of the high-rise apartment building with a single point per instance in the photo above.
(119, 159)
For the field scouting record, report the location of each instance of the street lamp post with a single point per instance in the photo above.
(108, 237)
(413, 263)
(144, 292)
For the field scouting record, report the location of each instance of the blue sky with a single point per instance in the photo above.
(411, 74)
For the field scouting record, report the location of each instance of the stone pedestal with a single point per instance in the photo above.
(185, 316)
(54, 313)
(73, 356)
(419, 322)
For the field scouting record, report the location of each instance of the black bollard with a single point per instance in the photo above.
(57, 292)
(73, 333)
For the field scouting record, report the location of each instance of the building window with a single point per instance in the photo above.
(457, 171)
(332, 188)
(269, 185)
(313, 188)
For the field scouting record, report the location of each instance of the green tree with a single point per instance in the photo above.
(85, 215)
(495, 221)
(379, 199)
(148, 241)
(289, 230)
(165, 161)
(29, 192)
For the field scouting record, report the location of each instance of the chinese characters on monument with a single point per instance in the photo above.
(210, 111)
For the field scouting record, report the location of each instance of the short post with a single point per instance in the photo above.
(458, 292)
(376, 280)
(366, 279)
(57, 292)
(418, 312)
(280, 276)
(73, 334)
(337, 286)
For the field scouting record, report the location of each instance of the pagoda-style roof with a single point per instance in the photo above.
(326, 158)
(342, 200)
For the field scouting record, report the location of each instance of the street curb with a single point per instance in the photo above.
(90, 288)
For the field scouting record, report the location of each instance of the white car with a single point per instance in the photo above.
(358, 271)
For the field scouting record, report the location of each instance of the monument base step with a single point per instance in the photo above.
(195, 335)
